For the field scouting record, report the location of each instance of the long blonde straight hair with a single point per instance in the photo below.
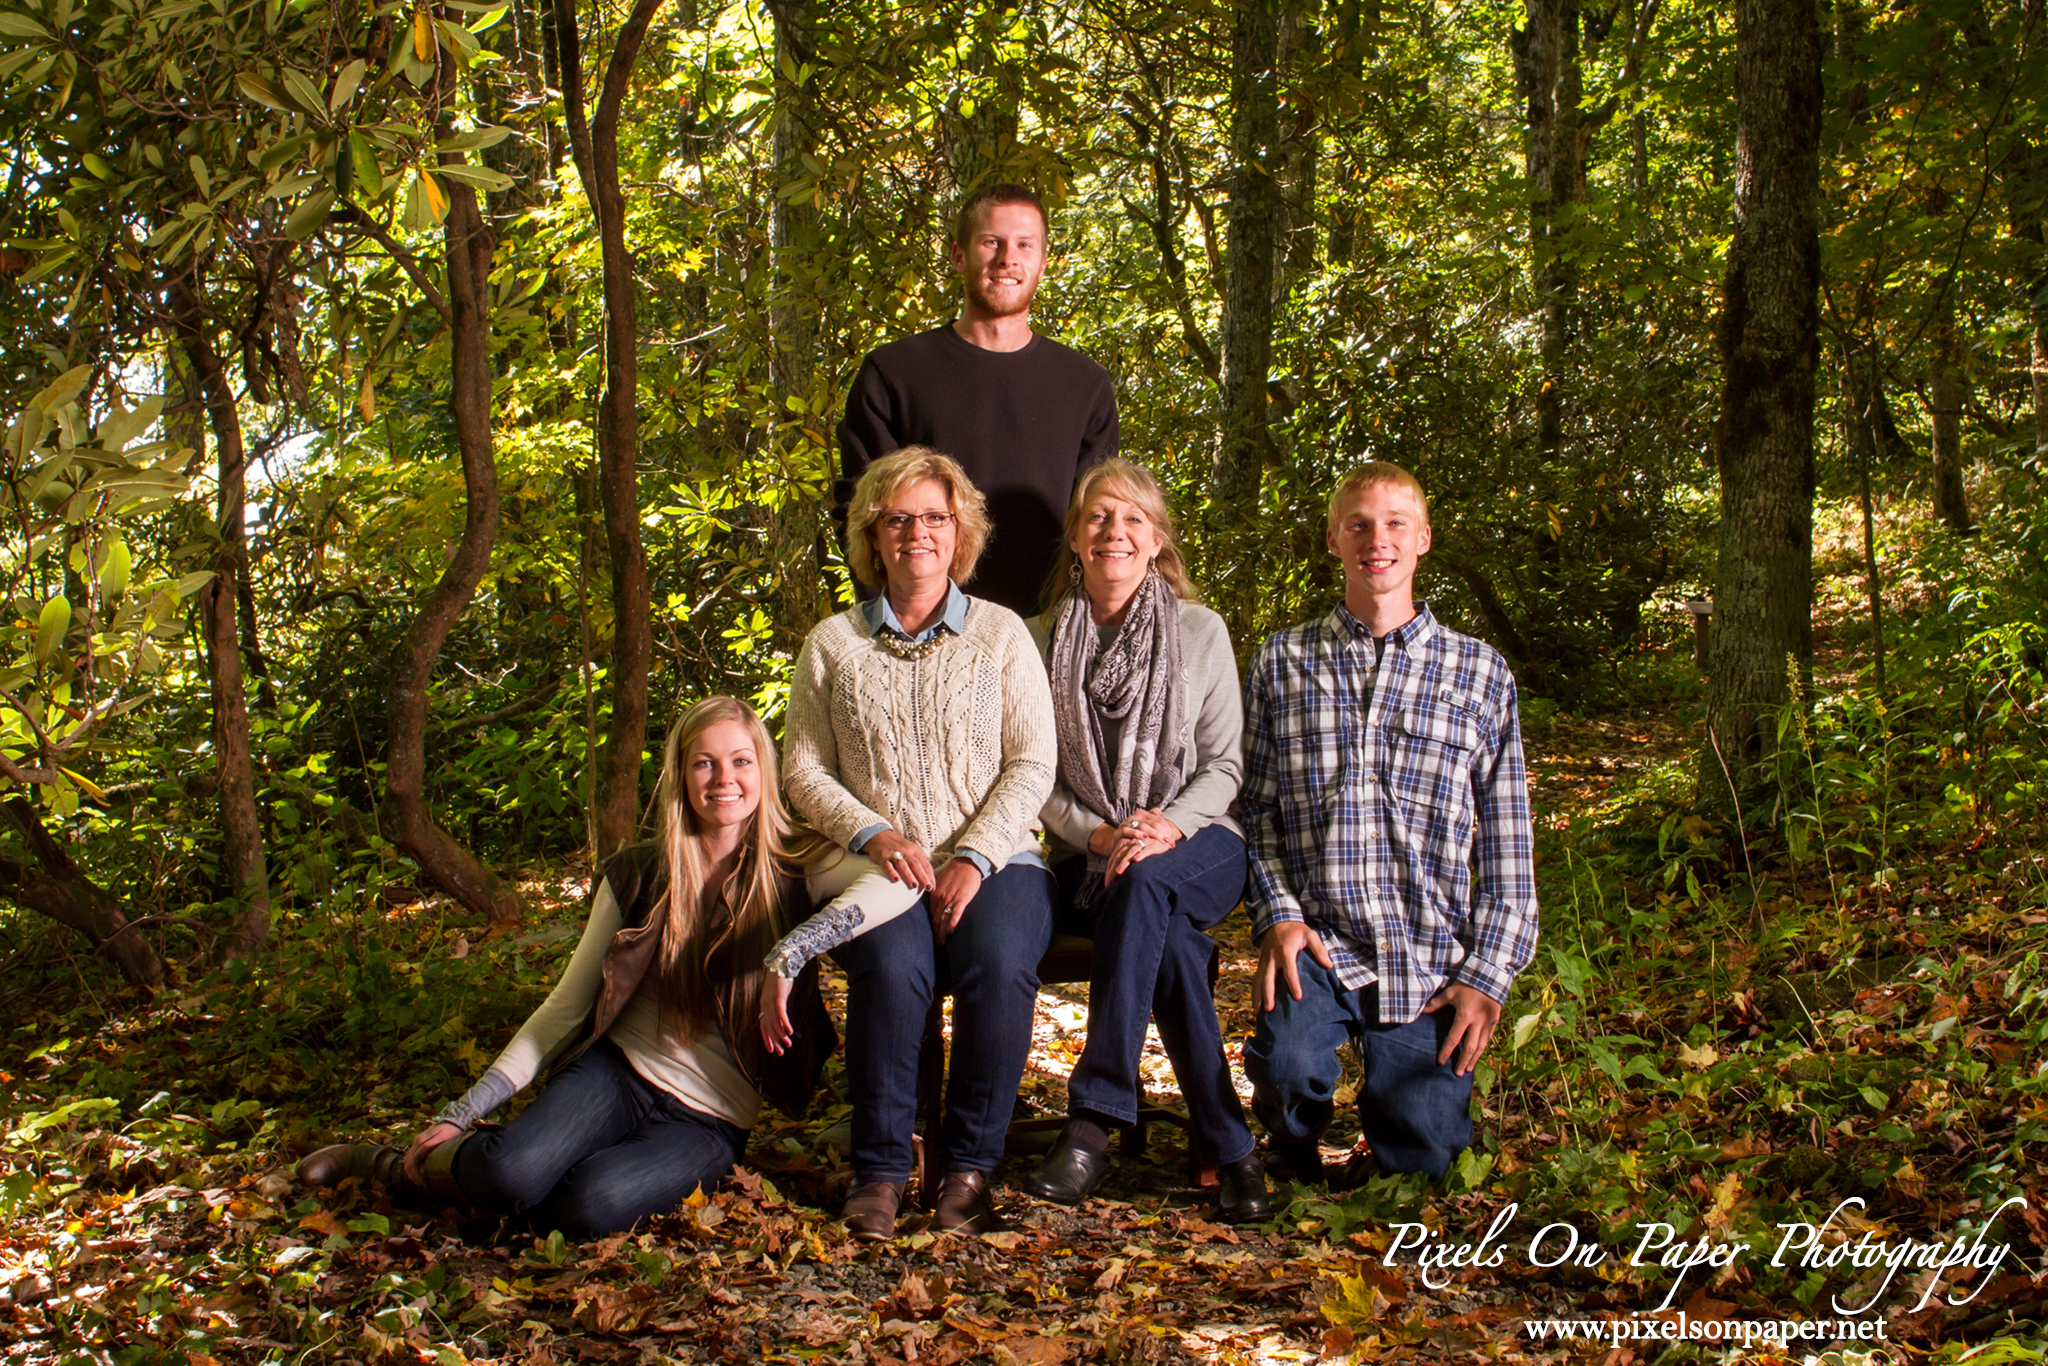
(772, 851)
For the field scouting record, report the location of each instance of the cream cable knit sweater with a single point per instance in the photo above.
(952, 751)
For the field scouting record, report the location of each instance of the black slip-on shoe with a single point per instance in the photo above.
(1070, 1172)
(1241, 1194)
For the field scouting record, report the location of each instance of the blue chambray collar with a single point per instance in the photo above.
(878, 614)
(1409, 635)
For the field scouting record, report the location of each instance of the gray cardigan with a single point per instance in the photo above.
(1212, 768)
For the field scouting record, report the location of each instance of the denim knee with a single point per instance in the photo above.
(1415, 1111)
(1148, 881)
(894, 958)
(597, 1208)
(1286, 1071)
(489, 1170)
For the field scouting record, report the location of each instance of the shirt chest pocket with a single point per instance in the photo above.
(1435, 744)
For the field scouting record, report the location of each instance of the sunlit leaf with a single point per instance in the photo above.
(51, 625)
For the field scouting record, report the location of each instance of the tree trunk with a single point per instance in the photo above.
(1344, 214)
(408, 823)
(1859, 430)
(584, 477)
(793, 308)
(2028, 188)
(1500, 624)
(1946, 387)
(55, 887)
(2037, 310)
(1763, 442)
(596, 149)
(1547, 74)
(1638, 121)
(1162, 223)
(1247, 350)
(242, 862)
(977, 144)
(1297, 45)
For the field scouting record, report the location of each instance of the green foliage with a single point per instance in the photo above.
(87, 635)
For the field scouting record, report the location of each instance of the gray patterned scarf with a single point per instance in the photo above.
(1140, 680)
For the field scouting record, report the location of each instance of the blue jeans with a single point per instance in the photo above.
(1152, 963)
(990, 963)
(599, 1150)
(1416, 1111)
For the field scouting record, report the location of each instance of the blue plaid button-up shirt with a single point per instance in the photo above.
(1391, 812)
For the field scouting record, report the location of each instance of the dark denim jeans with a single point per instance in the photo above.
(599, 1150)
(1152, 963)
(1415, 1111)
(990, 963)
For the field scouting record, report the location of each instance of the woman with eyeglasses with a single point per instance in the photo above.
(920, 739)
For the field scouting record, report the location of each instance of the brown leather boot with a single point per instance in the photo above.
(332, 1165)
(870, 1212)
(437, 1172)
(965, 1205)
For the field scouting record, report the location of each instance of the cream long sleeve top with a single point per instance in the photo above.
(954, 751)
(699, 1072)
(1212, 758)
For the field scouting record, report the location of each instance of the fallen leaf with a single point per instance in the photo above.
(324, 1222)
(274, 1185)
(913, 1299)
(1749, 1145)
(1033, 1351)
(612, 1310)
(1356, 1301)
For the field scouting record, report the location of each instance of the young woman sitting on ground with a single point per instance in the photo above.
(659, 1069)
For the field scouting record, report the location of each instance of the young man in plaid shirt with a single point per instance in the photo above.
(1387, 813)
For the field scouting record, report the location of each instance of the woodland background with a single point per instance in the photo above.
(417, 405)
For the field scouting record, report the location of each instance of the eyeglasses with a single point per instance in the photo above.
(897, 523)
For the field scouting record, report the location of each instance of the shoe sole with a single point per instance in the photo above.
(1253, 1218)
(1045, 1193)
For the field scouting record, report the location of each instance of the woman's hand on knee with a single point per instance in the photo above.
(1130, 849)
(434, 1136)
(775, 1030)
(901, 860)
(957, 883)
(1153, 826)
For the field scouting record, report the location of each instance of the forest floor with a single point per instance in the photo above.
(1719, 1057)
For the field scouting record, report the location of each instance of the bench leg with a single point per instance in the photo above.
(931, 1090)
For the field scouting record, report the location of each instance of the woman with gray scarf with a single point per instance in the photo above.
(1149, 720)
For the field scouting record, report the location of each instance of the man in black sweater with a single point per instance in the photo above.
(1024, 415)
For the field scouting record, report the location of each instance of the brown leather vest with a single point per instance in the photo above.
(639, 878)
